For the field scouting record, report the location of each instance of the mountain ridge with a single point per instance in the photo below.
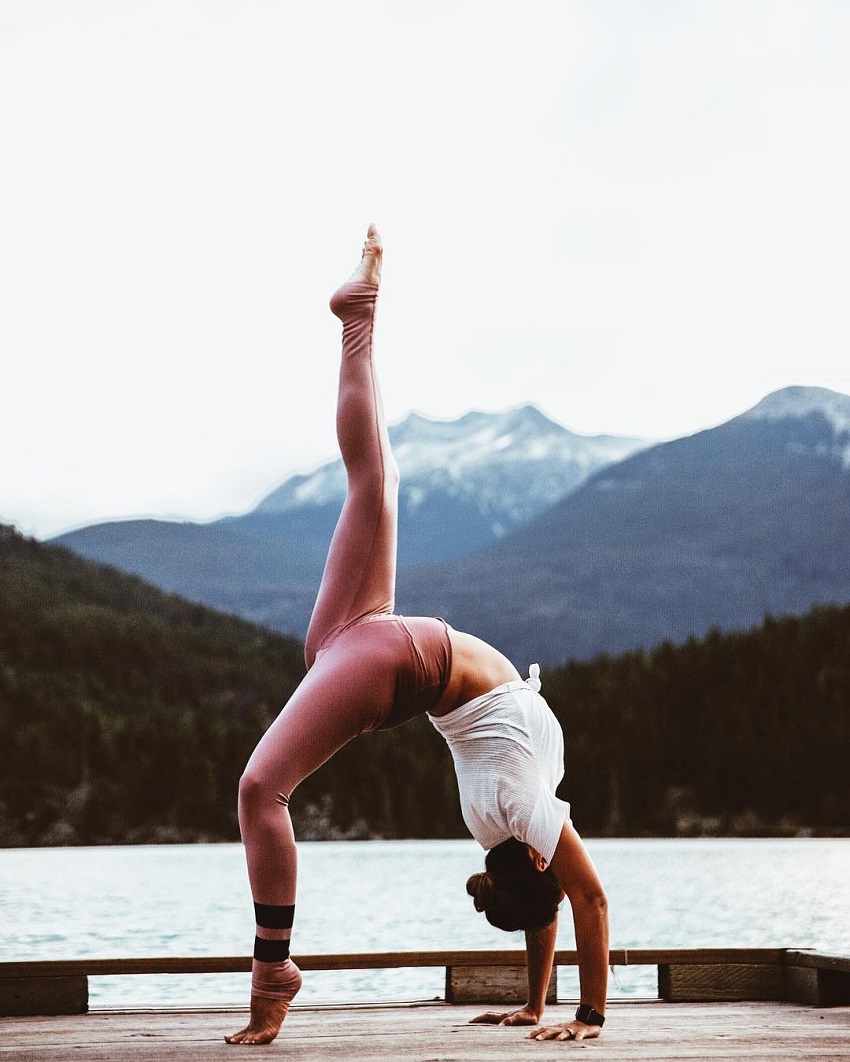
(713, 529)
(716, 528)
(449, 454)
(465, 482)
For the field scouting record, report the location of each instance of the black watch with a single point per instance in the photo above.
(588, 1016)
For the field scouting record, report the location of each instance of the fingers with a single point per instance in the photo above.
(555, 1032)
(551, 1034)
(490, 1018)
(570, 1031)
(511, 1017)
(519, 1018)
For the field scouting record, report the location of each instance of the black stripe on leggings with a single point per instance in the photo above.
(271, 950)
(271, 917)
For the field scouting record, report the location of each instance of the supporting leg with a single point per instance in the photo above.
(315, 723)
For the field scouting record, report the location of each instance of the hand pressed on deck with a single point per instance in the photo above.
(569, 1030)
(523, 1016)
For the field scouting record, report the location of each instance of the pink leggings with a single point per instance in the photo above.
(344, 687)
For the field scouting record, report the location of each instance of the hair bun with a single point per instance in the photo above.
(480, 888)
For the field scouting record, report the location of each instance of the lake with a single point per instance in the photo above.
(63, 903)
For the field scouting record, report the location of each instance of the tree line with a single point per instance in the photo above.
(127, 715)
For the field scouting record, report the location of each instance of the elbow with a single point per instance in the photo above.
(593, 900)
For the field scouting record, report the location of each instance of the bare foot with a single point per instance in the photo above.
(369, 270)
(266, 1019)
(267, 1015)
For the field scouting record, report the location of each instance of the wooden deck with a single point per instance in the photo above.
(751, 1003)
(428, 1032)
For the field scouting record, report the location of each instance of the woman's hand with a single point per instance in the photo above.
(570, 1030)
(524, 1016)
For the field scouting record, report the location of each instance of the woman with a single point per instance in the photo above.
(369, 669)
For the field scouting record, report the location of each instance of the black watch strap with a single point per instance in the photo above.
(588, 1016)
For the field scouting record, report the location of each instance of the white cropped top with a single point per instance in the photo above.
(508, 752)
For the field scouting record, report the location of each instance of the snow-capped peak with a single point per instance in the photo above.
(797, 403)
(801, 402)
(484, 456)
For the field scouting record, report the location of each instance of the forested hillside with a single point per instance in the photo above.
(742, 733)
(126, 715)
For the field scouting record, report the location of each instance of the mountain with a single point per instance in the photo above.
(713, 530)
(465, 483)
(716, 529)
(237, 567)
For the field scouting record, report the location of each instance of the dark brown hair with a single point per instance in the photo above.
(512, 892)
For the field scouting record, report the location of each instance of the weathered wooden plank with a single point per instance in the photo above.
(833, 988)
(820, 960)
(686, 956)
(759, 1032)
(801, 985)
(43, 995)
(715, 983)
(382, 961)
(819, 979)
(493, 984)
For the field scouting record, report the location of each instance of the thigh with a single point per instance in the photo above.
(360, 571)
(338, 699)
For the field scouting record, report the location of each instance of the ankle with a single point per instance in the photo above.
(354, 300)
(279, 981)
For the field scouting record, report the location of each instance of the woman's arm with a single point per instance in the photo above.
(577, 876)
(540, 952)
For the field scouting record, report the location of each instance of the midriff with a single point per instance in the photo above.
(477, 667)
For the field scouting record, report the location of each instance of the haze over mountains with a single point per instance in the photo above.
(465, 483)
(547, 547)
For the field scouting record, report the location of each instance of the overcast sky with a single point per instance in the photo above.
(633, 214)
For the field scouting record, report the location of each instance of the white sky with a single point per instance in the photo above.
(633, 214)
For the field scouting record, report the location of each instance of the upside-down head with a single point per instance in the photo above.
(517, 890)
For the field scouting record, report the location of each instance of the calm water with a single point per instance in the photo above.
(61, 903)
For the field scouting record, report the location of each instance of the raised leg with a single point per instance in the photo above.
(359, 575)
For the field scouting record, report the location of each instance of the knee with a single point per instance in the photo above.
(257, 795)
(250, 791)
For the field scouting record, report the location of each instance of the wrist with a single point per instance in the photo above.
(588, 1015)
(536, 1011)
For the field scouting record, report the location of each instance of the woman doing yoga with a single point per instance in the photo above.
(369, 669)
